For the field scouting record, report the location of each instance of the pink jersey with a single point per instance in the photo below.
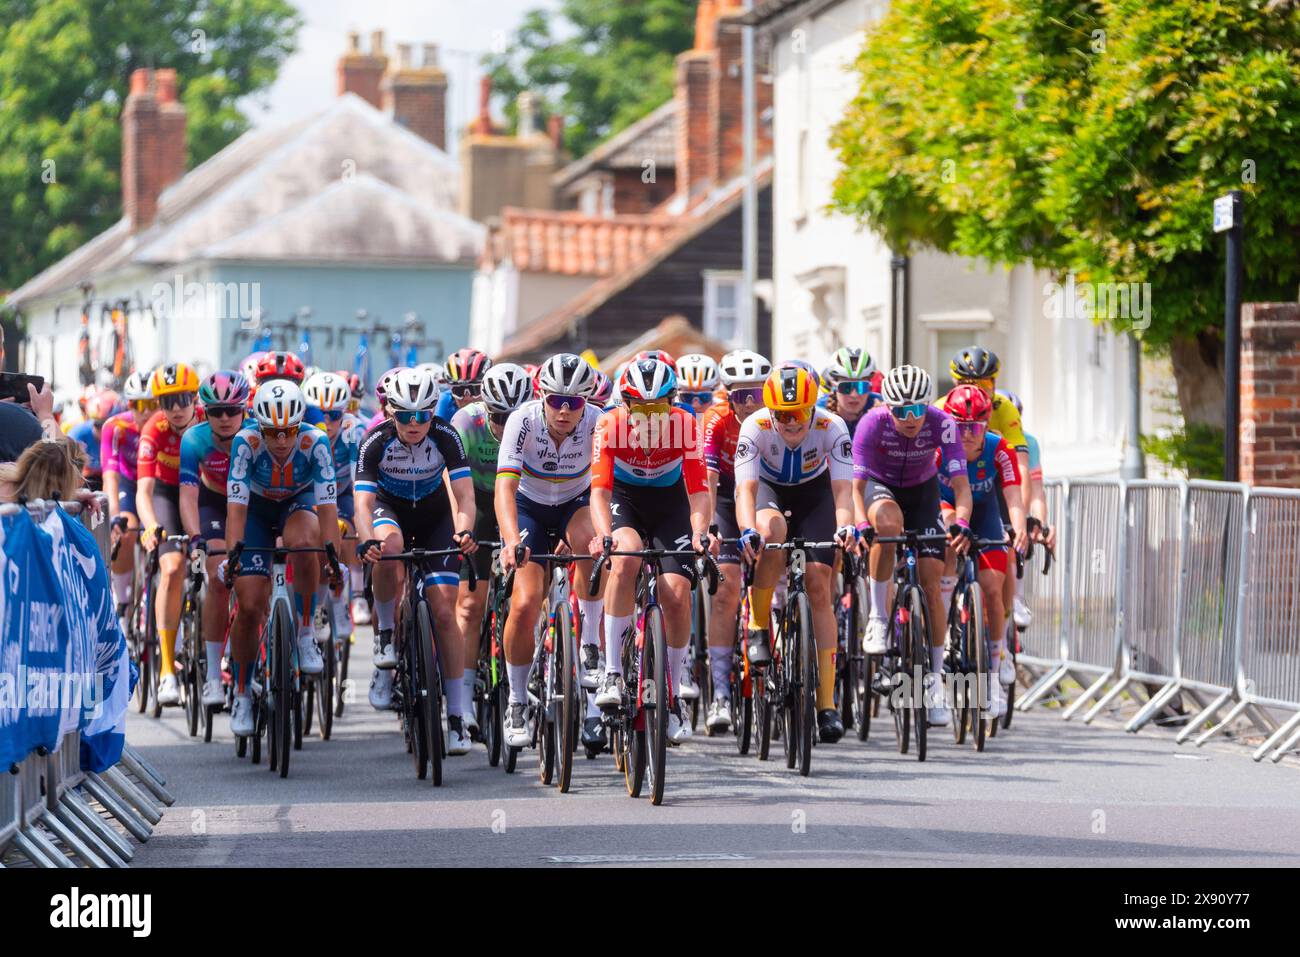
(119, 445)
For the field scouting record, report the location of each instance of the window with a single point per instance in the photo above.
(723, 306)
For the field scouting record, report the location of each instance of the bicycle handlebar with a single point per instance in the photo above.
(419, 554)
(710, 565)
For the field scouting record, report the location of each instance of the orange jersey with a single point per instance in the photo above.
(655, 453)
(159, 455)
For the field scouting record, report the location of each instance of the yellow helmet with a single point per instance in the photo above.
(790, 389)
(173, 378)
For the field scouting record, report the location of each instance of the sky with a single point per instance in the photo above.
(463, 29)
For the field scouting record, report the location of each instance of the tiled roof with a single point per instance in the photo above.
(653, 137)
(575, 244)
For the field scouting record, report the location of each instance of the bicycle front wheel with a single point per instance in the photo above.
(919, 639)
(977, 647)
(566, 661)
(430, 702)
(655, 658)
(805, 697)
(280, 660)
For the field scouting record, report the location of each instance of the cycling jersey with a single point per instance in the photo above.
(255, 472)
(721, 428)
(995, 464)
(119, 445)
(1004, 420)
(482, 448)
(883, 453)
(84, 434)
(761, 452)
(1035, 458)
(202, 462)
(344, 447)
(376, 420)
(446, 407)
(389, 466)
(548, 474)
(873, 399)
(160, 449)
(620, 457)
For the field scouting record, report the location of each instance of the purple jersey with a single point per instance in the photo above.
(883, 453)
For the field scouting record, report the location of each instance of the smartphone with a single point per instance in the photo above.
(13, 385)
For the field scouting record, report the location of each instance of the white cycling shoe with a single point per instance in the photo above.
(385, 650)
(381, 690)
(610, 694)
(169, 691)
(515, 725)
(997, 703)
(458, 740)
(1021, 614)
(360, 611)
(874, 643)
(689, 690)
(592, 667)
(936, 712)
(719, 719)
(310, 661)
(213, 693)
(1007, 670)
(241, 716)
(679, 729)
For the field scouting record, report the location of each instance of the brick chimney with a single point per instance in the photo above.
(417, 97)
(362, 73)
(153, 144)
(1270, 394)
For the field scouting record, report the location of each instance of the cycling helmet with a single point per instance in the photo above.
(435, 371)
(310, 371)
(697, 373)
(807, 367)
(506, 387)
(279, 365)
(249, 366)
(849, 364)
(174, 379)
(968, 403)
(974, 362)
(1013, 399)
(603, 391)
(102, 406)
(384, 379)
(743, 366)
(566, 374)
(532, 371)
(647, 380)
(468, 365)
(327, 391)
(905, 385)
(790, 389)
(660, 354)
(224, 387)
(278, 404)
(356, 387)
(136, 388)
(412, 391)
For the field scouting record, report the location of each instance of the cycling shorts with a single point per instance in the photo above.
(212, 514)
(661, 515)
(265, 523)
(126, 495)
(167, 510)
(920, 506)
(542, 526)
(485, 530)
(347, 506)
(809, 509)
(986, 522)
(724, 516)
(424, 523)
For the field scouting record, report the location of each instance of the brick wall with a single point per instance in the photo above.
(1270, 394)
(153, 143)
(417, 96)
(362, 73)
(631, 195)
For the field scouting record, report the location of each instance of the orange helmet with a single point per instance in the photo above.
(174, 378)
(790, 390)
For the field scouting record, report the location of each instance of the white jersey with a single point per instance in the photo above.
(548, 475)
(761, 453)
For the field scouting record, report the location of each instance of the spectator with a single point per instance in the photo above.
(48, 470)
(22, 425)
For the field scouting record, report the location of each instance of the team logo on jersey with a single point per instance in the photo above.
(846, 449)
(305, 442)
(765, 423)
(742, 449)
(822, 424)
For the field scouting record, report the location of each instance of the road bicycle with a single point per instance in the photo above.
(555, 694)
(148, 647)
(853, 668)
(491, 684)
(968, 650)
(193, 661)
(1013, 630)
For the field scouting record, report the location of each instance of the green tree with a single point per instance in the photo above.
(65, 68)
(602, 64)
(1088, 136)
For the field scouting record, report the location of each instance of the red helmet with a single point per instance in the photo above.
(968, 403)
(354, 382)
(660, 354)
(279, 365)
(468, 365)
(534, 373)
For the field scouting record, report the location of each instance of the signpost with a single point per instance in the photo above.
(1228, 219)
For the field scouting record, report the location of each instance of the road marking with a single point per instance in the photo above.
(641, 858)
(1191, 757)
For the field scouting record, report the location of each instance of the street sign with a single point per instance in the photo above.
(1223, 214)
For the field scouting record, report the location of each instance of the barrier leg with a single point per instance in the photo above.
(134, 760)
(81, 809)
(1286, 746)
(71, 841)
(1040, 689)
(120, 783)
(1152, 707)
(1106, 699)
(78, 827)
(146, 776)
(1278, 735)
(1089, 693)
(134, 823)
(1205, 714)
(34, 838)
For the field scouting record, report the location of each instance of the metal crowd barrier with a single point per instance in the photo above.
(52, 813)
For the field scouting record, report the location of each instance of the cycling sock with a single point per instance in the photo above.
(122, 587)
(239, 675)
(720, 665)
(453, 689)
(342, 618)
(471, 678)
(936, 658)
(615, 627)
(384, 612)
(592, 710)
(677, 664)
(996, 651)
(825, 678)
(760, 607)
(306, 605)
(214, 659)
(947, 585)
(880, 599)
(358, 577)
(592, 612)
(519, 682)
(167, 649)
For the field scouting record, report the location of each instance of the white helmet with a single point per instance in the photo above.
(697, 373)
(327, 391)
(411, 391)
(906, 385)
(278, 404)
(506, 387)
(743, 366)
(136, 388)
(437, 371)
(566, 374)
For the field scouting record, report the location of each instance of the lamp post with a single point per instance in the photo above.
(1228, 219)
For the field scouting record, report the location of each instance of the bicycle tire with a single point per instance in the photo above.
(634, 730)
(920, 639)
(570, 707)
(762, 712)
(742, 705)
(787, 678)
(1010, 689)
(433, 696)
(259, 727)
(959, 654)
(285, 705)
(328, 681)
(544, 725)
(412, 678)
(901, 710)
(345, 655)
(806, 685)
(192, 643)
(152, 649)
(980, 659)
(656, 720)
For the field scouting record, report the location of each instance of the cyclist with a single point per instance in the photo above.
(158, 503)
(465, 371)
(742, 374)
(506, 387)
(279, 365)
(896, 487)
(401, 503)
(697, 380)
(1036, 503)
(602, 393)
(542, 497)
(793, 459)
(327, 396)
(280, 483)
(205, 462)
(648, 486)
(118, 450)
(90, 434)
(849, 375)
(381, 415)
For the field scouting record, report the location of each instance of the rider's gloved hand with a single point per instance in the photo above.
(197, 544)
(750, 542)
(364, 547)
(960, 534)
(465, 541)
(230, 565)
(702, 545)
(846, 536)
(865, 532)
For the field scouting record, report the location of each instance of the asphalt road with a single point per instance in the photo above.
(1044, 793)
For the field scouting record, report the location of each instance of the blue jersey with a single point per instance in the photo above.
(995, 465)
(254, 471)
(446, 407)
(84, 433)
(346, 445)
(389, 466)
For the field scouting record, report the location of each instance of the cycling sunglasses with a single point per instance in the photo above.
(642, 407)
(420, 417)
(971, 428)
(574, 403)
(985, 384)
(288, 432)
(499, 418)
(177, 400)
(914, 411)
(224, 411)
(746, 396)
(332, 415)
(848, 388)
(143, 405)
(692, 398)
(793, 415)
(466, 391)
